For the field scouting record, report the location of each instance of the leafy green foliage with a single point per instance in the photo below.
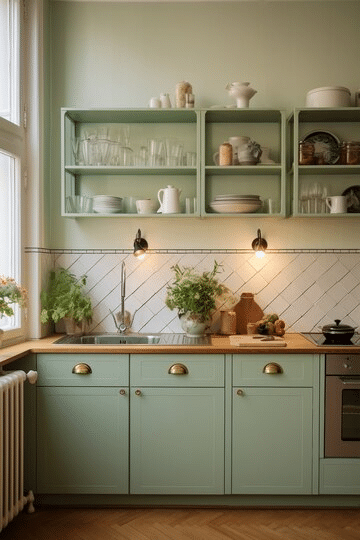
(193, 292)
(64, 297)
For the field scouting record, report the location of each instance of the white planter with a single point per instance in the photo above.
(192, 324)
(329, 96)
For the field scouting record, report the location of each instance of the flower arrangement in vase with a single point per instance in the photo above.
(10, 293)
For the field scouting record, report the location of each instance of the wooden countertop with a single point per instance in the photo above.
(296, 344)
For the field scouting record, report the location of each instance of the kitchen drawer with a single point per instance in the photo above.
(106, 370)
(189, 370)
(296, 370)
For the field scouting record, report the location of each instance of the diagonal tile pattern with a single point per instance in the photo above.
(306, 289)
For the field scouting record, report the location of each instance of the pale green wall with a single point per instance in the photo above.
(119, 55)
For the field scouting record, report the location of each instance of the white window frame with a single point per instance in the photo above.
(13, 143)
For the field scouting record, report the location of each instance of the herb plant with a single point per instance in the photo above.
(65, 298)
(194, 292)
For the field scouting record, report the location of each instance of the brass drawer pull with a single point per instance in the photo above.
(178, 369)
(82, 369)
(122, 392)
(138, 392)
(240, 392)
(273, 369)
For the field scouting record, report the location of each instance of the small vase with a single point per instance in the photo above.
(193, 324)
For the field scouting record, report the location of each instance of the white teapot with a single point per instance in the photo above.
(170, 200)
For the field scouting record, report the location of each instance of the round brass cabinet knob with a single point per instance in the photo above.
(240, 392)
(82, 369)
(122, 392)
(138, 392)
(178, 369)
(272, 369)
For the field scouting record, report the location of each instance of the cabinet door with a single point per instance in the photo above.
(272, 440)
(177, 441)
(82, 440)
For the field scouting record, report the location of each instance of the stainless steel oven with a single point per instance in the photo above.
(342, 405)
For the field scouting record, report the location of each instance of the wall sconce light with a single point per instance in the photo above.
(140, 246)
(259, 245)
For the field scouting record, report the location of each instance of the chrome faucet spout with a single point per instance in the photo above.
(122, 318)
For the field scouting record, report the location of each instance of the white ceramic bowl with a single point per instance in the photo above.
(329, 96)
(236, 207)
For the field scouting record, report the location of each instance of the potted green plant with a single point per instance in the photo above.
(10, 293)
(194, 295)
(64, 299)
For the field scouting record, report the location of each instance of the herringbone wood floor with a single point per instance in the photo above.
(185, 524)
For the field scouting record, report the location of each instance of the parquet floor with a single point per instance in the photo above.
(184, 524)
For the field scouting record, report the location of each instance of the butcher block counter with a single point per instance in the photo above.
(295, 344)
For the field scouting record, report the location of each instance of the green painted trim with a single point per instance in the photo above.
(242, 501)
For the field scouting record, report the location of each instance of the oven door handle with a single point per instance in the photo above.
(350, 380)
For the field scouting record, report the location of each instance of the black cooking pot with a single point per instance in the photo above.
(338, 333)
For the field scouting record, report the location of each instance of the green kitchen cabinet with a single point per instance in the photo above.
(267, 178)
(200, 132)
(272, 441)
(328, 128)
(177, 424)
(272, 425)
(82, 424)
(133, 177)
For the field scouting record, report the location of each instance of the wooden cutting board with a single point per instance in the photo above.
(256, 340)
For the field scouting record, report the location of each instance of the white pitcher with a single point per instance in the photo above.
(338, 204)
(170, 200)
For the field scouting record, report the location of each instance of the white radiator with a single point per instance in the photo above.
(12, 498)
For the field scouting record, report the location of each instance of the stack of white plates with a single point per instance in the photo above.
(236, 204)
(105, 204)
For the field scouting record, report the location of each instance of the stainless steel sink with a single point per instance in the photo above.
(133, 339)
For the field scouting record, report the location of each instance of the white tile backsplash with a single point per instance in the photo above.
(307, 288)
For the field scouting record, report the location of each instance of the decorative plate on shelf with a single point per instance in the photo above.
(326, 144)
(353, 195)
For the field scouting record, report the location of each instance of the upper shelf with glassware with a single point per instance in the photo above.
(118, 156)
(132, 154)
(326, 156)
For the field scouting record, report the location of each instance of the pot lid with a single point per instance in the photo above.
(338, 328)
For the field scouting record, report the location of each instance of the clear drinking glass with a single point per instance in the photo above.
(174, 152)
(157, 152)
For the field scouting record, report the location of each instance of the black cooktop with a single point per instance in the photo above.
(320, 340)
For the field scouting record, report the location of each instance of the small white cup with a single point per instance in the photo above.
(338, 204)
(155, 103)
(146, 206)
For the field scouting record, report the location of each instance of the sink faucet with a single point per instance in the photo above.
(121, 319)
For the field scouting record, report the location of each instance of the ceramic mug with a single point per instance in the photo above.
(146, 206)
(154, 103)
(338, 204)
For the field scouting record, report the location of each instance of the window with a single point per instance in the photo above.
(12, 151)
(10, 60)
